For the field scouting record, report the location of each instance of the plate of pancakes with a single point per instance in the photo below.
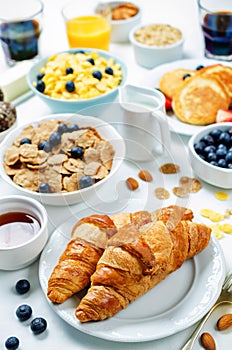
(195, 90)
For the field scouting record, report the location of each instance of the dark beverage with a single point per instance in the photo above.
(217, 29)
(20, 39)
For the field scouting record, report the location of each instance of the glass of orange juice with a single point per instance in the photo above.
(87, 24)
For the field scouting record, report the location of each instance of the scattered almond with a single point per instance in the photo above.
(145, 175)
(132, 183)
(207, 341)
(224, 322)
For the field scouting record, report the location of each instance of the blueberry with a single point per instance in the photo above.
(77, 152)
(199, 147)
(40, 86)
(208, 139)
(22, 286)
(221, 153)
(40, 76)
(24, 312)
(62, 128)
(224, 138)
(228, 157)
(38, 325)
(221, 146)
(55, 139)
(45, 146)
(70, 86)
(85, 181)
(213, 163)
(209, 149)
(44, 187)
(25, 140)
(186, 76)
(215, 133)
(229, 166)
(109, 71)
(69, 70)
(73, 127)
(97, 74)
(91, 60)
(199, 67)
(211, 157)
(222, 163)
(12, 343)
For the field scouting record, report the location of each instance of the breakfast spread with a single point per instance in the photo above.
(158, 35)
(198, 95)
(143, 249)
(8, 115)
(58, 156)
(78, 76)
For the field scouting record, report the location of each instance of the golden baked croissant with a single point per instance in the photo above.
(137, 259)
(78, 261)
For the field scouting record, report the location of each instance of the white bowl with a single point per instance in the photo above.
(105, 130)
(150, 56)
(19, 255)
(120, 29)
(58, 105)
(216, 176)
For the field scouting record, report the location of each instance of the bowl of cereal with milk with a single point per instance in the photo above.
(61, 159)
(156, 43)
(76, 79)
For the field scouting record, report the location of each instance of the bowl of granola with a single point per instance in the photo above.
(73, 80)
(156, 43)
(61, 159)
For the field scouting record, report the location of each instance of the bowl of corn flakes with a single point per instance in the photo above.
(76, 79)
(61, 159)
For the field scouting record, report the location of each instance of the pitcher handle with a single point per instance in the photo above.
(164, 130)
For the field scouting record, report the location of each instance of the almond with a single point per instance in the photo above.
(132, 183)
(145, 175)
(207, 341)
(224, 322)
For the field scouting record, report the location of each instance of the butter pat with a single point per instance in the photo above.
(13, 81)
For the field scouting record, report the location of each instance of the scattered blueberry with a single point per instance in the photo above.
(199, 67)
(25, 140)
(62, 128)
(40, 86)
(70, 86)
(22, 286)
(24, 312)
(186, 76)
(69, 70)
(73, 127)
(109, 71)
(91, 60)
(77, 152)
(38, 325)
(40, 76)
(12, 343)
(45, 146)
(85, 181)
(55, 139)
(97, 74)
(44, 187)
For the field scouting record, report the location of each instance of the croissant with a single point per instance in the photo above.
(78, 261)
(137, 259)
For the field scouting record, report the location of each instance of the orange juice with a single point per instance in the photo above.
(88, 31)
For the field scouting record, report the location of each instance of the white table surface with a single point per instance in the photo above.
(60, 335)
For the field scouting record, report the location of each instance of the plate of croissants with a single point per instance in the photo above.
(131, 275)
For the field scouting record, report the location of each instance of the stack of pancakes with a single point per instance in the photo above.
(197, 95)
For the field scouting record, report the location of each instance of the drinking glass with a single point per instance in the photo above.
(216, 23)
(20, 28)
(87, 24)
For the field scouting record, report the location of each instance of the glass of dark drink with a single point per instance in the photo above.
(20, 28)
(216, 23)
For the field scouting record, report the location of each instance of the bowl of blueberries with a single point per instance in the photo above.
(61, 159)
(76, 79)
(210, 152)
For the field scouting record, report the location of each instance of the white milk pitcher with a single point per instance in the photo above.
(144, 124)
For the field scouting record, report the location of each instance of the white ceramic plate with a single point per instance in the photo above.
(175, 304)
(152, 78)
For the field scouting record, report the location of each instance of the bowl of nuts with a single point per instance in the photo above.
(124, 16)
(210, 152)
(76, 79)
(61, 159)
(8, 118)
(156, 43)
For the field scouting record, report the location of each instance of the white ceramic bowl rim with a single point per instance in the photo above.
(196, 137)
(155, 47)
(93, 99)
(101, 123)
(130, 19)
(35, 204)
